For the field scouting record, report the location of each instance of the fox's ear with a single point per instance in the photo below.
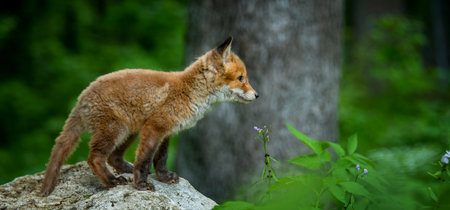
(225, 49)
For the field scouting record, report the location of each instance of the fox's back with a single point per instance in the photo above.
(129, 96)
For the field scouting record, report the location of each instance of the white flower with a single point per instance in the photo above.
(445, 157)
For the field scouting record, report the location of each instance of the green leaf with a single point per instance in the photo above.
(433, 195)
(297, 183)
(341, 173)
(254, 183)
(235, 205)
(325, 156)
(311, 208)
(363, 159)
(338, 149)
(337, 193)
(352, 144)
(275, 160)
(435, 175)
(285, 182)
(324, 144)
(274, 176)
(355, 188)
(314, 145)
(312, 161)
(335, 190)
(329, 180)
(344, 162)
(263, 173)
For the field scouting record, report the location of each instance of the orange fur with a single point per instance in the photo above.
(118, 106)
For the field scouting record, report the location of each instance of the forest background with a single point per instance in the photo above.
(394, 88)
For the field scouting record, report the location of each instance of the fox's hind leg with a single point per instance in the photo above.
(102, 143)
(159, 162)
(150, 140)
(116, 158)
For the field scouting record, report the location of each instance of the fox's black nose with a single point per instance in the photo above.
(256, 95)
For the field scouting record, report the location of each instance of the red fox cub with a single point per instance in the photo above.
(118, 106)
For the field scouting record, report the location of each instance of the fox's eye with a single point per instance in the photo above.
(241, 78)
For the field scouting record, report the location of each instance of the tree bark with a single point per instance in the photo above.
(292, 51)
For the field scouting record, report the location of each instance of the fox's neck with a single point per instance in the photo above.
(198, 87)
(203, 92)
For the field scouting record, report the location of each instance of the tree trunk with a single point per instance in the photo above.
(292, 51)
(439, 40)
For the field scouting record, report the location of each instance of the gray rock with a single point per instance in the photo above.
(79, 188)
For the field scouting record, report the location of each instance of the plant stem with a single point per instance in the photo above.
(351, 194)
(441, 183)
(319, 196)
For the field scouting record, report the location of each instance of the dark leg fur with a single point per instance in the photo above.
(146, 150)
(102, 144)
(142, 167)
(159, 162)
(116, 158)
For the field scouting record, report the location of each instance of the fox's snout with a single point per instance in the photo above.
(244, 97)
(254, 95)
(252, 91)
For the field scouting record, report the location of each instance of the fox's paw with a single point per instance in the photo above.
(44, 193)
(144, 186)
(120, 180)
(46, 189)
(168, 177)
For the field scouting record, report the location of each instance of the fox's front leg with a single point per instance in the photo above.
(159, 162)
(150, 139)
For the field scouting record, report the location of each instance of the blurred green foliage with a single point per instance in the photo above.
(387, 95)
(51, 50)
(351, 181)
(399, 108)
(348, 181)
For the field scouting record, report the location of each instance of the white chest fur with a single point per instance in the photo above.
(199, 112)
(201, 108)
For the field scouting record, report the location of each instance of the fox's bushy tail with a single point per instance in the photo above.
(65, 144)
